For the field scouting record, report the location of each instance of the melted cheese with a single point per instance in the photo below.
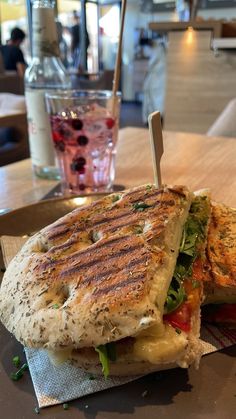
(59, 357)
(157, 344)
(156, 331)
(165, 346)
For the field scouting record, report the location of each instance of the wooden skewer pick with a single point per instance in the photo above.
(156, 141)
(116, 79)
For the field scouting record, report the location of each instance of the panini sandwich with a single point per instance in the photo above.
(114, 287)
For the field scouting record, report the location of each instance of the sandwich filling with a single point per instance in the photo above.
(185, 293)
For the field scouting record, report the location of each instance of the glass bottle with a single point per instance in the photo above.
(46, 72)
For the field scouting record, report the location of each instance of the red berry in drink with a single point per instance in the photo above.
(78, 164)
(82, 140)
(82, 186)
(82, 171)
(56, 136)
(76, 124)
(110, 123)
(60, 146)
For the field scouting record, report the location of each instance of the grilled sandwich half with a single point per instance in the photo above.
(220, 280)
(114, 286)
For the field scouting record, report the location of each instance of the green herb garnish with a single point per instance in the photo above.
(65, 406)
(16, 361)
(55, 306)
(115, 198)
(138, 229)
(15, 376)
(140, 206)
(95, 236)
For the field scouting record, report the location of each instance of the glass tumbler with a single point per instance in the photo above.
(84, 128)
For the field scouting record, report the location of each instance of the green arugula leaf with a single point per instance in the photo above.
(103, 358)
(106, 353)
(193, 236)
(175, 297)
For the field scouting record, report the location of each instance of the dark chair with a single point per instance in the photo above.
(14, 144)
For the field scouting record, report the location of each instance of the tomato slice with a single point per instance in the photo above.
(197, 269)
(180, 318)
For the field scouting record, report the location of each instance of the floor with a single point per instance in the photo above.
(131, 115)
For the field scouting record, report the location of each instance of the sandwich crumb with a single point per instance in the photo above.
(145, 393)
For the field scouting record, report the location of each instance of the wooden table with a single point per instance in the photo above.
(191, 159)
(197, 161)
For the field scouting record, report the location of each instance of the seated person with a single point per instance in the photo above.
(13, 57)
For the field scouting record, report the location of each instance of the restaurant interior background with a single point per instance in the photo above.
(178, 56)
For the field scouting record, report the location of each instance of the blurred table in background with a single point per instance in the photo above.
(195, 160)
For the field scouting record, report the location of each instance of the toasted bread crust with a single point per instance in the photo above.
(100, 273)
(221, 251)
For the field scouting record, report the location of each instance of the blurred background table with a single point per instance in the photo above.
(195, 160)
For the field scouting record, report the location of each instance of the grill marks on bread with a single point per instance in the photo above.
(114, 265)
(117, 261)
(110, 265)
(121, 214)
